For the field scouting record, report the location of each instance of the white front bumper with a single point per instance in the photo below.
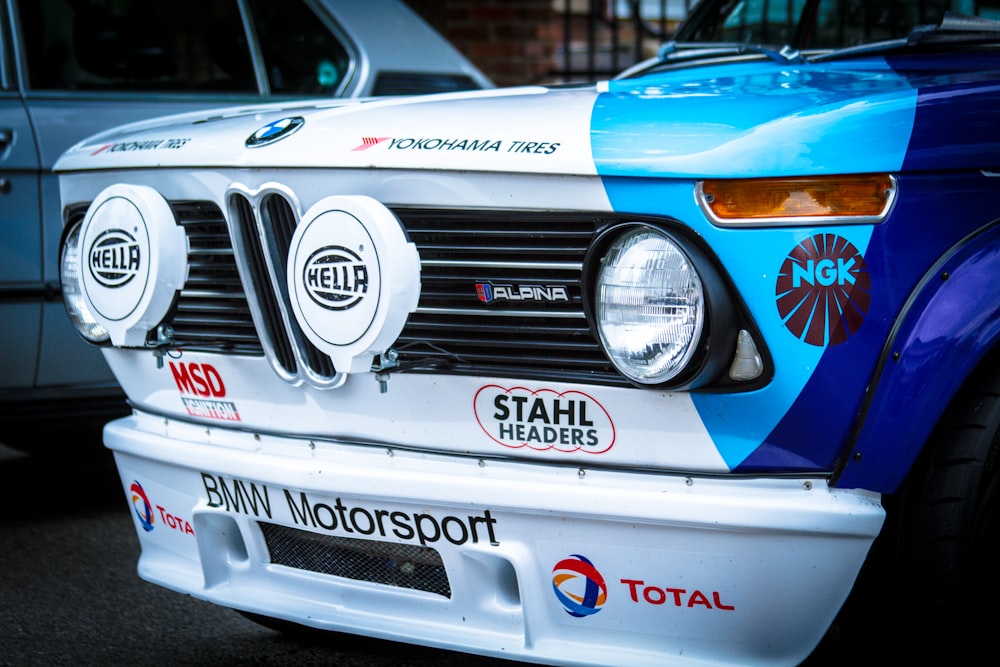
(543, 563)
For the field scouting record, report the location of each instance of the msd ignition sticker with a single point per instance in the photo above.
(202, 391)
(544, 419)
(823, 290)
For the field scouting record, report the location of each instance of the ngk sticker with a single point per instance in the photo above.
(544, 419)
(823, 290)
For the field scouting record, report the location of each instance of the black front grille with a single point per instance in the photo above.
(399, 565)
(500, 292)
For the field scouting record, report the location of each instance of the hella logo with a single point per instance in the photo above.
(114, 258)
(335, 278)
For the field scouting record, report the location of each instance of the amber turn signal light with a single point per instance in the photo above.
(861, 198)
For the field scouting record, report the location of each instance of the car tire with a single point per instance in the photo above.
(950, 530)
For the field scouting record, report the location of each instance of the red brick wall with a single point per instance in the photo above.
(511, 41)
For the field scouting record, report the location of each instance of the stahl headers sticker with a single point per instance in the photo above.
(544, 419)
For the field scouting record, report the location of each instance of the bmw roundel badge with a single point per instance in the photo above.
(275, 131)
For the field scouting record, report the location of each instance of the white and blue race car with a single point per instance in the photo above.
(626, 373)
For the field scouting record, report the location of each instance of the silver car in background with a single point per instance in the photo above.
(71, 68)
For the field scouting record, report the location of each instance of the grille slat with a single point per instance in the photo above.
(544, 348)
(473, 251)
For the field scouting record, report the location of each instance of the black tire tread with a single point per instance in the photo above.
(944, 507)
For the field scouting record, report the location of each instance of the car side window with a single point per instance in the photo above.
(301, 55)
(136, 45)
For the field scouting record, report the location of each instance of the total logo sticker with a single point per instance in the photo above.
(823, 290)
(578, 586)
(143, 508)
(582, 591)
(147, 518)
(544, 419)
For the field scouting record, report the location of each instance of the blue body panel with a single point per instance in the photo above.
(910, 117)
(755, 119)
(952, 322)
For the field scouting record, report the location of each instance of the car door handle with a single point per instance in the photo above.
(6, 137)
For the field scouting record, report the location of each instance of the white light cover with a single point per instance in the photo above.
(134, 260)
(354, 278)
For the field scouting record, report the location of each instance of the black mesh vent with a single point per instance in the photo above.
(211, 311)
(400, 565)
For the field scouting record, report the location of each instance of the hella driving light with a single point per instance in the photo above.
(69, 277)
(649, 306)
(133, 259)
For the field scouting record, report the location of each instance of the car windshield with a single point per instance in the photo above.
(818, 25)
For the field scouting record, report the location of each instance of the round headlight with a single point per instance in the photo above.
(69, 277)
(650, 306)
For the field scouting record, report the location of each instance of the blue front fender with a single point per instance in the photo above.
(948, 325)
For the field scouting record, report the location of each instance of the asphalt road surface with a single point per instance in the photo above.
(69, 593)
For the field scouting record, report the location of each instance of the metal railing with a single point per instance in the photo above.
(600, 38)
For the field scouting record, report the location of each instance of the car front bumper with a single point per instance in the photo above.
(530, 561)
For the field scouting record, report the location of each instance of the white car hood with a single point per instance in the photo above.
(529, 129)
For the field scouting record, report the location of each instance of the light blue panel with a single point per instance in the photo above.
(760, 119)
(652, 139)
(739, 422)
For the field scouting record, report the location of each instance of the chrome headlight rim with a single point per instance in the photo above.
(72, 291)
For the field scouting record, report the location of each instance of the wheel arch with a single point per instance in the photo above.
(949, 324)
